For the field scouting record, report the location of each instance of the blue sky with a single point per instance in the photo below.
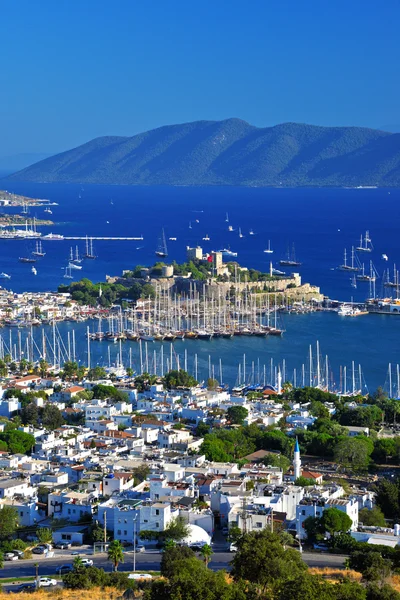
(72, 70)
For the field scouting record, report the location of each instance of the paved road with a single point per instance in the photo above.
(146, 561)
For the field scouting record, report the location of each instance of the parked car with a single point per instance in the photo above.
(232, 548)
(10, 556)
(225, 530)
(140, 549)
(39, 550)
(322, 547)
(24, 587)
(47, 582)
(64, 569)
(19, 553)
(87, 562)
(63, 545)
(140, 576)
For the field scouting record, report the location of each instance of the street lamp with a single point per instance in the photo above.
(134, 543)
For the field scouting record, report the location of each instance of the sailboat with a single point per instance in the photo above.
(345, 266)
(206, 238)
(39, 249)
(48, 210)
(89, 249)
(354, 282)
(190, 224)
(227, 218)
(251, 232)
(268, 250)
(365, 244)
(68, 274)
(76, 260)
(240, 233)
(162, 246)
(34, 271)
(290, 260)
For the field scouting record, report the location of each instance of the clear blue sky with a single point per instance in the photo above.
(72, 70)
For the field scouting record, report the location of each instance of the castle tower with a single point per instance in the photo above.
(297, 461)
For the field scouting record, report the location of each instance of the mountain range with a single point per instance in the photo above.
(230, 152)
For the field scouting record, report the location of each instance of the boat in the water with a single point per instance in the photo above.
(352, 266)
(75, 259)
(48, 210)
(290, 259)
(5, 276)
(206, 238)
(74, 266)
(348, 310)
(251, 232)
(365, 243)
(34, 271)
(68, 274)
(26, 259)
(240, 233)
(39, 250)
(162, 250)
(53, 237)
(227, 253)
(269, 250)
(89, 249)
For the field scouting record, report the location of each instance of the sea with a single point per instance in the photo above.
(319, 222)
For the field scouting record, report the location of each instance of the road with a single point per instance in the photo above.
(146, 561)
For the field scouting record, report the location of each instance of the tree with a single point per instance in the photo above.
(43, 367)
(115, 553)
(51, 417)
(305, 587)
(141, 472)
(382, 592)
(277, 460)
(206, 552)
(212, 384)
(354, 452)
(97, 373)
(176, 379)
(304, 481)
(334, 521)
(18, 442)
(387, 498)
(237, 414)
(129, 372)
(9, 521)
(234, 534)
(372, 517)
(30, 414)
(171, 555)
(372, 565)
(262, 560)
(177, 530)
(44, 535)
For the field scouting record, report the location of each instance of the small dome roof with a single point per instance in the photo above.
(197, 535)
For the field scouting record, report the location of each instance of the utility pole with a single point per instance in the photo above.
(105, 529)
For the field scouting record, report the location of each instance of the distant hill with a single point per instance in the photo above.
(230, 152)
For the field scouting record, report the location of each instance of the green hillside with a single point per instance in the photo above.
(230, 152)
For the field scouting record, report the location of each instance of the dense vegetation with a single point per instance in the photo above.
(105, 294)
(230, 152)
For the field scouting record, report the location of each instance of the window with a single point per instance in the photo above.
(318, 513)
(21, 514)
(125, 520)
(119, 520)
(106, 482)
(258, 524)
(69, 511)
(145, 521)
(125, 532)
(157, 524)
(303, 512)
(119, 532)
(157, 512)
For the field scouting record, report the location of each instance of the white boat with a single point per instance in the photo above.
(251, 232)
(162, 246)
(48, 210)
(72, 266)
(190, 224)
(228, 252)
(173, 239)
(53, 236)
(365, 243)
(75, 259)
(230, 228)
(277, 272)
(227, 218)
(348, 310)
(5, 276)
(385, 257)
(268, 250)
(68, 274)
(206, 238)
(240, 233)
(34, 271)
(39, 250)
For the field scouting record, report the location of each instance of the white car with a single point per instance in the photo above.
(47, 582)
(10, 556)
(140, 576)
(87, 562)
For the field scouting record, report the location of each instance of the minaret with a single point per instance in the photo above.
(297, 461)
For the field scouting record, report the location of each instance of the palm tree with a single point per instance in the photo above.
(115, 553)
(206, 553)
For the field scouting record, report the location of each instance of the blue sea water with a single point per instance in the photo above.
(320, 222)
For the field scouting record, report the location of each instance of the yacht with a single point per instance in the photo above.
(268, 250)
(34, 271)
(39, 250)
(228, 253)
(5, 276)
(206, 238)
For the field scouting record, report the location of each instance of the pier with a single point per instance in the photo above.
(110, 239)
